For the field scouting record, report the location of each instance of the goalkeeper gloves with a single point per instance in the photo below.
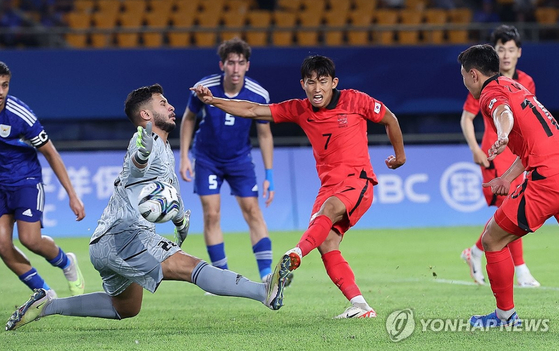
(181, 228)
(144, 141)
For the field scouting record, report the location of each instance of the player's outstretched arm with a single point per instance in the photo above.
(55, 161)
(467, 124)
(396, 139)
(239, 108)
(504, 121)
(187, 129)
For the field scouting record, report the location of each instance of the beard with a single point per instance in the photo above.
(162, 122)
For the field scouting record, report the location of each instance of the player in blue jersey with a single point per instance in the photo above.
(221, 152)
(22, 195)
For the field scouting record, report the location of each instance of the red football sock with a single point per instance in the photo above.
(341, 274)
(516, 252)
(315, 235)
(500, 271)
(478, 242)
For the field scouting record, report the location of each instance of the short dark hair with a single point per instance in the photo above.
(322, 65)
(4, 70)
(234, 45)
(505, 33)
(484, 58)
(137, 98)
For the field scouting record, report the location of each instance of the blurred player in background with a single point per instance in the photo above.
(125, 249)
(22, 196)
(507, 43)
(221, 152)
(335, 122)
(523, 124)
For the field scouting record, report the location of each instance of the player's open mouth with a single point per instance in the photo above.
(317, 98)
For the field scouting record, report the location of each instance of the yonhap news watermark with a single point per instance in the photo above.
(401, 324)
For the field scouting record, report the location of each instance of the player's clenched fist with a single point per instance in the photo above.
(392, 162)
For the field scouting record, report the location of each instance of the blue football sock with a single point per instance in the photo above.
(61, 260)
(33, 280)
(263, 253)
(217, 255)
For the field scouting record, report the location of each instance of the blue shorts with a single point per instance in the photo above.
(26, 202)
(240, 176)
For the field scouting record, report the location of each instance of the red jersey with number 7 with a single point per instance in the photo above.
(535, 133)
(337, 133)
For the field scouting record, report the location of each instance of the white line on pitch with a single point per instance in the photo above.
(462, 282)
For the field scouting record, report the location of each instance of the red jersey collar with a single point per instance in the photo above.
(333, 103)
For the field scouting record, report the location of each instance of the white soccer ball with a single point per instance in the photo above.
(158, 202)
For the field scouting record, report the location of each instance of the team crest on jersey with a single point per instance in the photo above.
(342, 120)
(5, 130)
(491, 103)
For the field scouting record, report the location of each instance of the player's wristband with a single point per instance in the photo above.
(270, 179)
(180, 224)
(139, 158)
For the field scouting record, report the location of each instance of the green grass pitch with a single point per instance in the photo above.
(419, 269)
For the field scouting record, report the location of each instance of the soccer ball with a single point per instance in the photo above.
(158, 202)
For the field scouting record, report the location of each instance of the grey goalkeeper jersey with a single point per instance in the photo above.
(121, 214)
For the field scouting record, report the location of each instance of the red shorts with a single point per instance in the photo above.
(495, 170)
(357, 195)
(530, 205)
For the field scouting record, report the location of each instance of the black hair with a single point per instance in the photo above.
(322, 65)
(137, 98)
(484, 58)
(234, 45)
(4, 70)
(505, 33)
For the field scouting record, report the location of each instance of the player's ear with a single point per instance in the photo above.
(144, 114)
(474, 74)
(335, 82)
(248, 66)
(221, 65)
(302, 84)
(519, 52)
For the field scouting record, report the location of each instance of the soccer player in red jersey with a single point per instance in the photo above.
(507, 43)
(335, 122)
(524, 125)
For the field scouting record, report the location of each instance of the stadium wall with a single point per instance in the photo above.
(438, 186)
(410, 80)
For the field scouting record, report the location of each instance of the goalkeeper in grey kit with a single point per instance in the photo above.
(125, 248)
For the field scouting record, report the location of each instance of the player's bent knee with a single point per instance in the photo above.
(128, 312)
(179, 266)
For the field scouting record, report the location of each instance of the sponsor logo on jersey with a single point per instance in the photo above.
(27, 213)
(5, 130)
